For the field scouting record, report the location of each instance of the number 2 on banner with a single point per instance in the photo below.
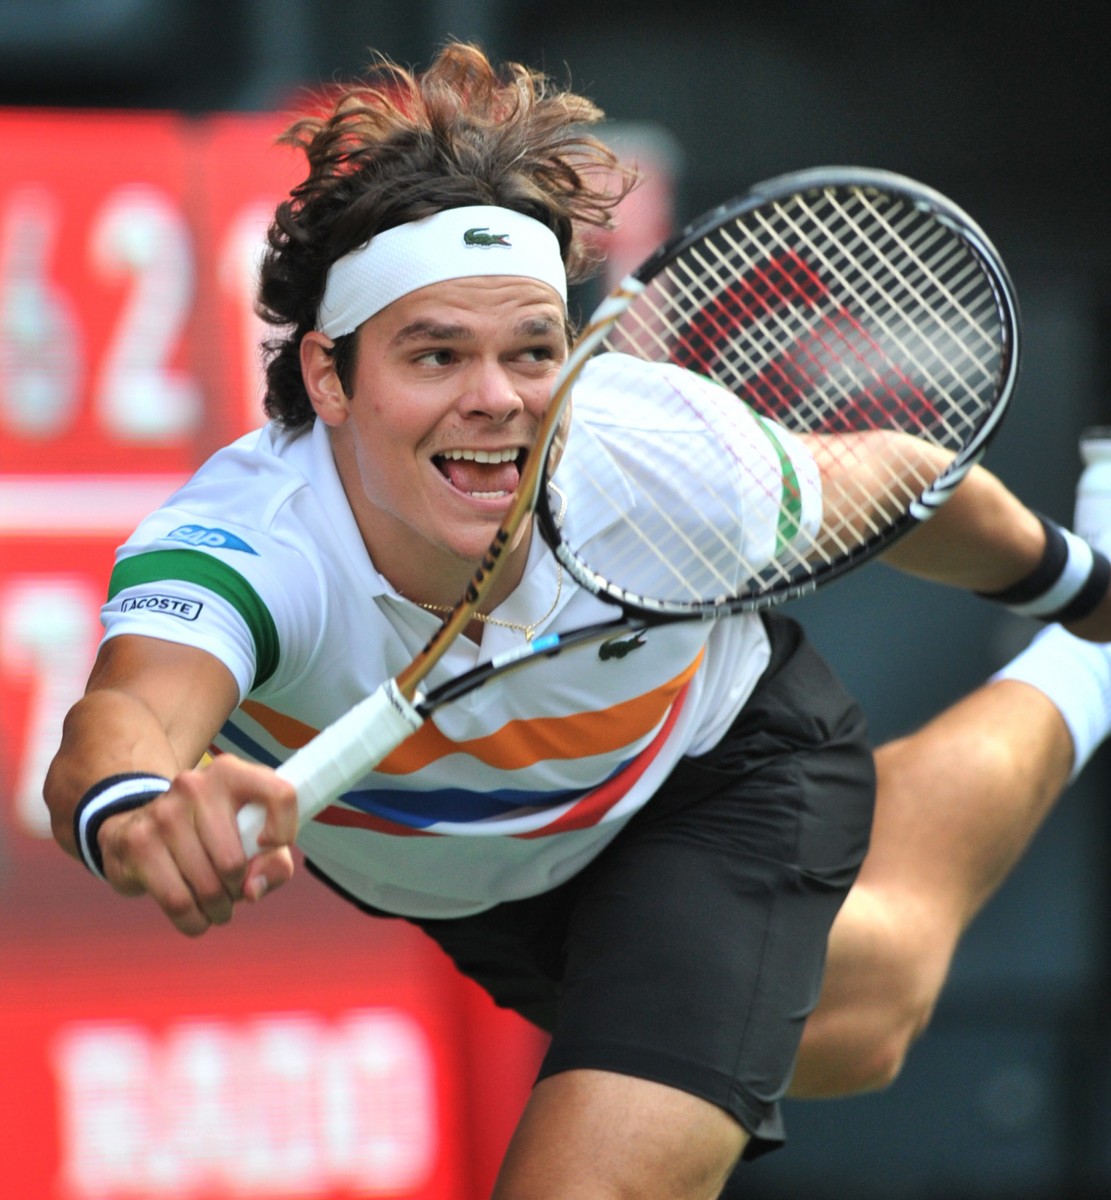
(142, 234)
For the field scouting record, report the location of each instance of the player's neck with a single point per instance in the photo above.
(433, 576)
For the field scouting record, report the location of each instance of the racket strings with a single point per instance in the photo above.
(795, 359)
(706, 520)
(840, 314)
(784, 366)
(924, 288)
(857, 515)
(840, 261)
(950, 271)
(661, 544)
(865, 334)
(676, 542)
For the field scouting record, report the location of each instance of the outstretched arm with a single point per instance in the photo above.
(983, 539)
(986, 540)
(151, 709)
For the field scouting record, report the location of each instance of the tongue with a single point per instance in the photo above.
(471, 477)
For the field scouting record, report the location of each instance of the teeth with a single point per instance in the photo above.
(483, 456)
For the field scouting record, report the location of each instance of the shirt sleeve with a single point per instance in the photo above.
(716, 490)
(242, 596)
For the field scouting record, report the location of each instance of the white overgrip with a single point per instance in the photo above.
(339, 755)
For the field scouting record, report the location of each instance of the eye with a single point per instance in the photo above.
(543, 353)
(441, 357)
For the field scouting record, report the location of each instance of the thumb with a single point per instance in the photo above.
(268, 870)
(275, 823)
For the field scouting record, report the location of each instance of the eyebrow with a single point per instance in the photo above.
(438, 332)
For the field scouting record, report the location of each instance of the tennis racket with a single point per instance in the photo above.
(854, 310)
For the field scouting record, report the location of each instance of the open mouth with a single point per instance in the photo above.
(483, 474)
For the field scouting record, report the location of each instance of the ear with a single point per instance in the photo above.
(318, 372)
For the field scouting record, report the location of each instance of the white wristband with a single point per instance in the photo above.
(116, 794)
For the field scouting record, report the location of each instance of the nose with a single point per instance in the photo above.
(491, 392)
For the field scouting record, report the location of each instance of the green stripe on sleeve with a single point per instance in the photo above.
(191, 566)
(789, 520)
(790, 502)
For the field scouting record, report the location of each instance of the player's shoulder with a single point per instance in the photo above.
(250, 505)
(265, 462)
(250, 484)
(617, 388)
(614, 369)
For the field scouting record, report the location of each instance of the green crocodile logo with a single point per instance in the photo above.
(618, 648)
(481, 236)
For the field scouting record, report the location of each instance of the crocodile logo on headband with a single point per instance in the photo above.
(481, 236)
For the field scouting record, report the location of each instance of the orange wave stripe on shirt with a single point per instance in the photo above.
(286, 731)
(519, 744)
(516, 744)
(592, 808)
(589, 810)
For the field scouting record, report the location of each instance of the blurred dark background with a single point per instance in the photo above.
(1006, 107)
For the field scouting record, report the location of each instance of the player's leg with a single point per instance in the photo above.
(593, 1134)
(957, 804)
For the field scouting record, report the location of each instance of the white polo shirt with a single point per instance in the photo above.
(510, 790)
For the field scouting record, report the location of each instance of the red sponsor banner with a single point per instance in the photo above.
(51, 589)
(306, 1050)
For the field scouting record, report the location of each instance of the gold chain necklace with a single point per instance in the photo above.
(530, 629)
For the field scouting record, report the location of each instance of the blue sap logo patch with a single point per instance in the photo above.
(199, 535)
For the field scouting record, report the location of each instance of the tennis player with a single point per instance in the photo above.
(641, 849)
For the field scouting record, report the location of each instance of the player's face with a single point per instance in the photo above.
(449, 387)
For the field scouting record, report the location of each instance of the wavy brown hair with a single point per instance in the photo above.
(400, 146)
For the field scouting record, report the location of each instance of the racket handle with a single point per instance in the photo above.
(338, 756)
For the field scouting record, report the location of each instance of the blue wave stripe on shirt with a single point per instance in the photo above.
(418, 810)
(248, 745)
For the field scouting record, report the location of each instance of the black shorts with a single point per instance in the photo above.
(690, 952)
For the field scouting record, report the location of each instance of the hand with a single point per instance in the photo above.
(183, 849)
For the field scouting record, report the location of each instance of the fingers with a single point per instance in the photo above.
(184, 850)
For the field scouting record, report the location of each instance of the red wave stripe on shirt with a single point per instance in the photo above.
(591, 808)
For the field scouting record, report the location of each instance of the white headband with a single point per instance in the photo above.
(454, 244)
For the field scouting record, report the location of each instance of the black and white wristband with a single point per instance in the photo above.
(116, 794)
(1068, 584)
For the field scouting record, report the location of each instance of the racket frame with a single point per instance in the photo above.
(923, 198)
